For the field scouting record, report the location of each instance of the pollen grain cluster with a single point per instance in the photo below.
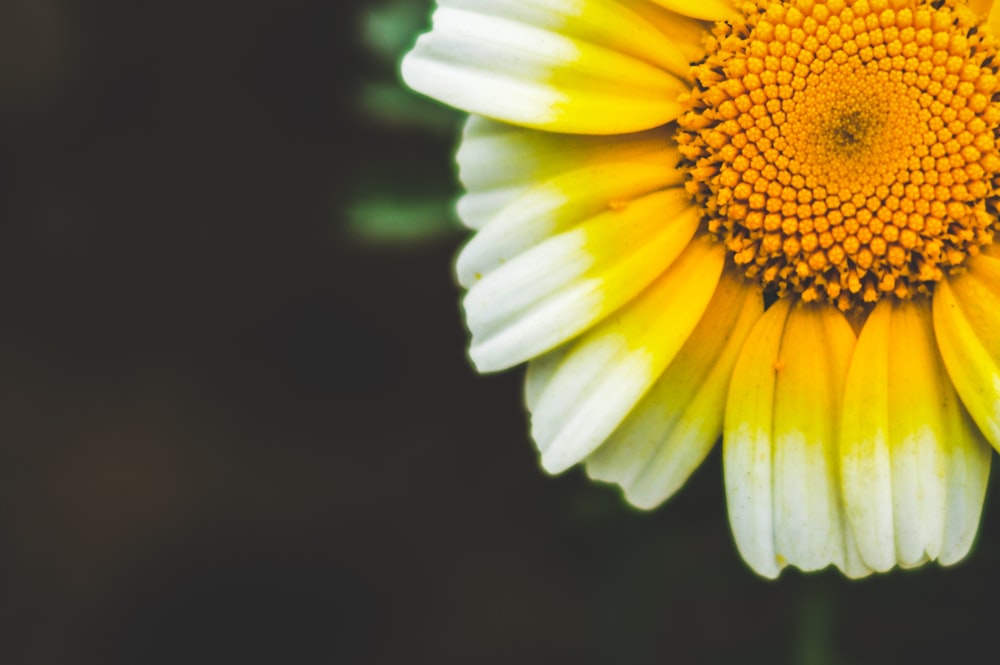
(846, 150)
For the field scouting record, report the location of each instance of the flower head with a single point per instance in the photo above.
(772, 221)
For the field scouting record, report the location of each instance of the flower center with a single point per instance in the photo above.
(847, 150)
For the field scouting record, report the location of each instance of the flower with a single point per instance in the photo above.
(769, 221)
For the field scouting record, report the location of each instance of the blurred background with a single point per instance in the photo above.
(238, 425)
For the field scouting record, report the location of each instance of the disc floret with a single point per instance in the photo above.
(846, 150)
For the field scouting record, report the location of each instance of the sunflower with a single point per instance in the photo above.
(771, 222)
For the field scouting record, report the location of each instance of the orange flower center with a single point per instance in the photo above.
(845, 151)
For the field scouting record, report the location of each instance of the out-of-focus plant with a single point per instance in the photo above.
(399, 204)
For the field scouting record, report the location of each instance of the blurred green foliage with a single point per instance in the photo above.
(390, 28)
(393, 104)
(389, 220)
(397, 205)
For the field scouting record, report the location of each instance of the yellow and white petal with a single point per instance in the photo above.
(606, 372)
(555, 206)
(673, 428)
(577, 66)
(967, 325)
(914, 464)
(746, 442)
(780, 442)
(611, 24)
(810, 525)
(499, 163)
(552, 292)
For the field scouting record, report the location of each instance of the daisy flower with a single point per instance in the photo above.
(771, 222)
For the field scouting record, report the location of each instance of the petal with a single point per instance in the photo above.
(779, 442)
(967, 325)
(746, 442)
(610, 24)
(981, 7)
(810, 525)
(498, 163)
(674, 427)
(914, 464)
(555, 206)
(687, 33)
(708, 10)
(991, 10)
(540, 373)
(562, 286)
(578, 66)
(607, 371)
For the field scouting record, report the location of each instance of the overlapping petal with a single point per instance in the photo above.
(602, 376)
(603, 178)
(562, 286)
(990, 11)
(579, 66)
(555, 206)
(967, 325)
(671, 431)
(780, 442)
(709, 10)
(914, 464)
(861, 452)
(498, 163)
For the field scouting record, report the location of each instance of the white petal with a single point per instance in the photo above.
(540, 373)
(475, 209)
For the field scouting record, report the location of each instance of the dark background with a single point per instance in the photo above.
(237, 421)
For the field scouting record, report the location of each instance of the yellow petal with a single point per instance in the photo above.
(981, 7)
(991, 10)
(685, 32)
(708, 10)
(967, 325)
